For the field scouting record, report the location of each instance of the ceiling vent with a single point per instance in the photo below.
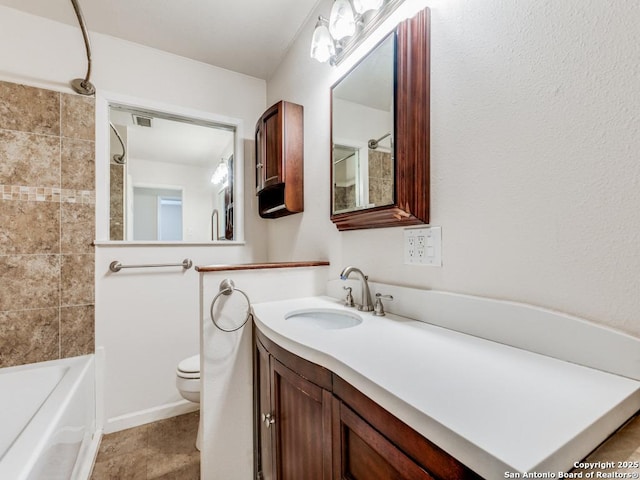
(141, 121)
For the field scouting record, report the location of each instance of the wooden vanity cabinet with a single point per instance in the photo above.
(292, 417)
(324, 428)
(370, 443)
(362, 453)
(279, 143)
(263, 461)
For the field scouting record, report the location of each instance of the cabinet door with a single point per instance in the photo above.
(302, 426)
(362, 453)
(263, 431)
(368, 438)
(259, 145)
(272, 139)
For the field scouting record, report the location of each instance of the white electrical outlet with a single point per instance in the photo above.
(423, 246)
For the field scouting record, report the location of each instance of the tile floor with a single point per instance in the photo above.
(163, 450)
(619, 454)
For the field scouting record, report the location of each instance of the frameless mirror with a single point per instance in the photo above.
(363, 133)
(380, 134)
(171, 178)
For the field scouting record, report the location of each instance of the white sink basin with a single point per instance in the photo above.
(324, 318)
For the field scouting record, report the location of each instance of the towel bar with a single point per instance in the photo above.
(116, 266)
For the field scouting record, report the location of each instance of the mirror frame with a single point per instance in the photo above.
(412, 141)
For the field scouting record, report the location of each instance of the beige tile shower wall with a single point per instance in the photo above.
(380, 175)
(47, 218)
(116, 202)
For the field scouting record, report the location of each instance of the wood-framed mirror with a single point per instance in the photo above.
(380, 133)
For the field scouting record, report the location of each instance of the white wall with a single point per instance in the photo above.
(534, 165)
(147, 320)
(150, 317)
(358, 123)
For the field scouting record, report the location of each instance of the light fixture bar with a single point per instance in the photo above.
(334, 39)
(379, 16)
(362, 6)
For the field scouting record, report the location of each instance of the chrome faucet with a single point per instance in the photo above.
(365, 294)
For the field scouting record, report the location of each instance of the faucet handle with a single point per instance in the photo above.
(348, 301)
(378, 310)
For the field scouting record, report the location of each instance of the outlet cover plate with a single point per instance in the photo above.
(423, 246)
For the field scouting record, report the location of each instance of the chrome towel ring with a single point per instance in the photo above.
(227, 287)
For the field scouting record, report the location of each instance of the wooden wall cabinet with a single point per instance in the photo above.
(279, 142)
(310, 424)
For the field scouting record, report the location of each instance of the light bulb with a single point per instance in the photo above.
(342, 22)
(221, 175)
(322, 48)
(363, 6)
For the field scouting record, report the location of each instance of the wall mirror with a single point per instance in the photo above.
(380, 133)
(363, 132)
(171, 179)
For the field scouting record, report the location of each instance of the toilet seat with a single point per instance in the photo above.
(189, 368)
(188, 384)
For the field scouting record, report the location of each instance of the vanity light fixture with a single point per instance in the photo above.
(342, 21)
(322, 47)
(362, 6)
(221, 174)
(348, 25)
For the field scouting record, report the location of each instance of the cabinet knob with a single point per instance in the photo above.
(268, 419)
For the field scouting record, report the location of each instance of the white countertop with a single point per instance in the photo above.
(494, 407)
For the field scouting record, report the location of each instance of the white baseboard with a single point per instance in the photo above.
(154, 414)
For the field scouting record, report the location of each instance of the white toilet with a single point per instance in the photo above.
(188, 382)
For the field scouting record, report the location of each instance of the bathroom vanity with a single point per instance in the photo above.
(312, 424)
(391, 397)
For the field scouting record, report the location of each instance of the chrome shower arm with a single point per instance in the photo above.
(119, 159)
(83, 86)
(373, 143)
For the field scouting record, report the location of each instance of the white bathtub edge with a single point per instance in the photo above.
(33, 444)
(86, 468)
(100, 369)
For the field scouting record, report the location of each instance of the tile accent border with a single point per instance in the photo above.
(47, 194)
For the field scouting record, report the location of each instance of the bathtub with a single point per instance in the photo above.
(48, 420)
